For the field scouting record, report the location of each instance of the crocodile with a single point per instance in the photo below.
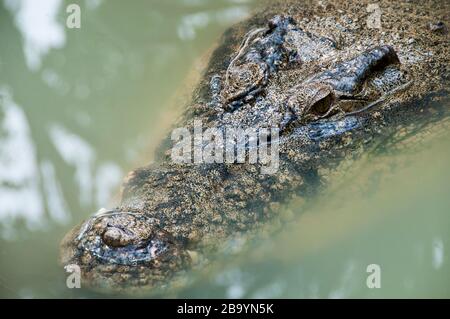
(334, 86)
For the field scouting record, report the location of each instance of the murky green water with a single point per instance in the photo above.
(81, 107)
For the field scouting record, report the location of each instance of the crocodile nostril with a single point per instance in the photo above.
(115, 237)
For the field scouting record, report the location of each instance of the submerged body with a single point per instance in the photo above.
(332, 86)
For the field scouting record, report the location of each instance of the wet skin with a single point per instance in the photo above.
(332, 99)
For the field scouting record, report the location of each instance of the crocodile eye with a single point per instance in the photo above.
(312, 100)
(123, 238)
(322, 103)
(116, 237)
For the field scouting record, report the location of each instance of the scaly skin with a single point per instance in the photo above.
(333, 87)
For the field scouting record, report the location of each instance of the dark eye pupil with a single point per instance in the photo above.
(115, 237)
(322, 106)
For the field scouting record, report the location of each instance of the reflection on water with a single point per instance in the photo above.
(19, 176)
(438, 253)
(79, 108)
(77, 153)
(187, 29)
(56, 205)
(38, 25)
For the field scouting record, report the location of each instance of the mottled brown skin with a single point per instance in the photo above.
(173, 216)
